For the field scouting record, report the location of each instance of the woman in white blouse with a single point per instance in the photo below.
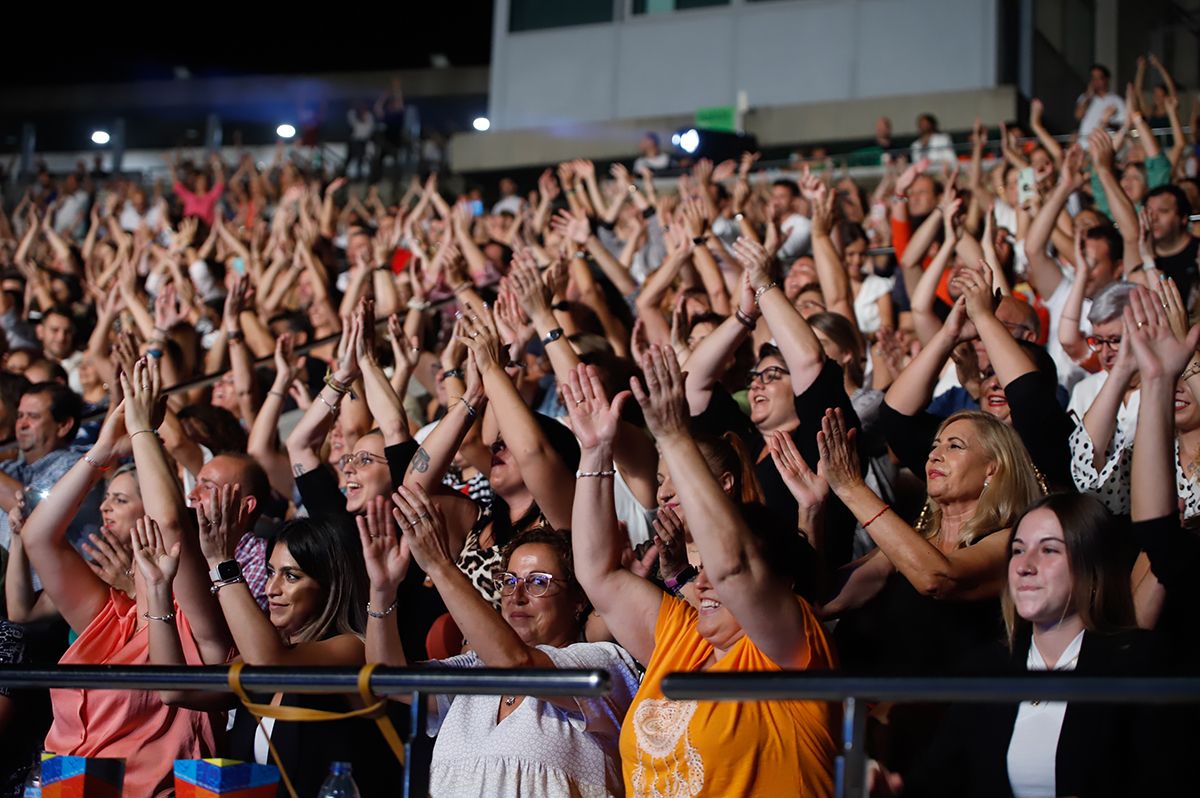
(511, 745)
(1068, 607)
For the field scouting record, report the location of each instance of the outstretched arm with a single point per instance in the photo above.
(734, 561)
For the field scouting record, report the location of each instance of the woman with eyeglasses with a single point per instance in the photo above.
(512, 745)
(530, 463)
(374, 464)
(741, 615)
(1102, 446)
(789, 388)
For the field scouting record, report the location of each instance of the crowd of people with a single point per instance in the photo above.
(947, 425)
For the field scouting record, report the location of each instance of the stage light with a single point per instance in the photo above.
(285, 131)
(100, 137)
(715, 145)
(689, 140)
(481, 123)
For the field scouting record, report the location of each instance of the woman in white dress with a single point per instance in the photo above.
(512, 745)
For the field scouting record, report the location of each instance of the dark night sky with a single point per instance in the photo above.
(295, 40)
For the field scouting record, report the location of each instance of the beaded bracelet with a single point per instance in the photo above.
(600, 474)
(759, 292)
(170, 616)
(391, 608)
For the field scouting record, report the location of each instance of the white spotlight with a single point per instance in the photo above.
(285, 131)
(481, 123)
(689, 140)
(100, 137)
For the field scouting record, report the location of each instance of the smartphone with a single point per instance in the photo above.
(239, 266)
(1026, 185)
(477, 207)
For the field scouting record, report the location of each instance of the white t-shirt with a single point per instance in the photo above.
(866, 307)
(1069, 371)
(71, 210)
(940, 147)
(1096, 109)
(1033, 748)
(130, 220)
(798, 230)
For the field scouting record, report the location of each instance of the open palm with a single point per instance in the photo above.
(593, 418)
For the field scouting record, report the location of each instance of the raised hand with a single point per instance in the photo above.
(287, 366)
(144, 403)
(166, 309)
(424, 529)
(839, 455)
(594, 419)
(223, 520)
(671, 540)
(809, 488)
(236, 302)
(531, 292)
(910, 175)
(112, 559)
(1172, 303)
(976, 288)
(1071, 172)
(754, 260)
(1158, 352)
(482, 338)
(663, 401)
(572, 226)
(386, 555)
(157, 564)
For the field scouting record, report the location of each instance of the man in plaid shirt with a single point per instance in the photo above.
(251, 553)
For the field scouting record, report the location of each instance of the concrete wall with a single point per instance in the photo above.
(779, 125)
(786, 52)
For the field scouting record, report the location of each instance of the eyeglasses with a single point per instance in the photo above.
(537, 584)
(358, 460)
(768, 375)
(1096, 342)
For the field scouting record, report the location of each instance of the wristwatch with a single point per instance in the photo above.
(230, 569)
(677, 582)
(552, 336)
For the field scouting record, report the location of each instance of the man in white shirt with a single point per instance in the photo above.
(1097, 104)
(788, 205)
(651, 157)
(932, 143)
(510, 199)
(72, 208)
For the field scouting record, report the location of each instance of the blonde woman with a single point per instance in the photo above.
(929, 593)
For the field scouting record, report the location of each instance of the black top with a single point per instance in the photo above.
(901, 632)
(308, 748)
(1174, 555)
(419, 604)
(827, 390)
(1040, 421)
(1181, 267)
(1103, 749)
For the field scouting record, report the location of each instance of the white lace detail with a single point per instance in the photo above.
(661, 728)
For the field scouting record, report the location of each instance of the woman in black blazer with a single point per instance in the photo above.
(1068, 607)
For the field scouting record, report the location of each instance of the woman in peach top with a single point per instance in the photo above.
(747, 618)
(132, 725)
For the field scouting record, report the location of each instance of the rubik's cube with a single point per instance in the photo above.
(204, 778)
(81, 777)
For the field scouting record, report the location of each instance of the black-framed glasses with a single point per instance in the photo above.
(359, 459)
(767, 376)
(537, 583)
(1096, 343)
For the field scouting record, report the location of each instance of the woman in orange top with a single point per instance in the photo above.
(748, 617)
(132, 725)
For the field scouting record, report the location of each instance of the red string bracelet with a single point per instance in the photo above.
(875, 517)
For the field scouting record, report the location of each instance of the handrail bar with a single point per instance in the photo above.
(782, 685)
(384, 681)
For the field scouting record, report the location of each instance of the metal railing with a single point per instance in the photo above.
(417, 682)
(856, 692)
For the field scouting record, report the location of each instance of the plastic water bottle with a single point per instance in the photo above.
(339, 783)
(33, 781)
